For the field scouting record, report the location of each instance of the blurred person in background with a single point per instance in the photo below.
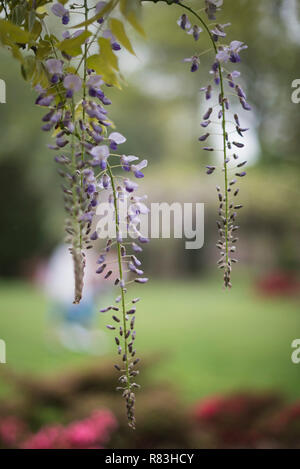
(74, 324)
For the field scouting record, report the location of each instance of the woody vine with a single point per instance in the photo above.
(72, 76)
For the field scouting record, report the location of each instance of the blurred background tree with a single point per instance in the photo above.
(159, 110)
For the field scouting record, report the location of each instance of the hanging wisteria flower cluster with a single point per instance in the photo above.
(219, 112)
(87, 151)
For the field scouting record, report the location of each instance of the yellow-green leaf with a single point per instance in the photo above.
(34, 72)
(73, 46)
(31, 19)
(107, 9)
(41, 11)
(36, 30)
(18, 14)
(11, 32)
(132, 19)
(118, 30)
(107, 54)
(40, 77)
(98, 63)
(44, 49)
(71, 70)
(130, 10)
(28, 67)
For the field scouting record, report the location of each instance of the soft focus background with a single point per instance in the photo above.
(217, 369)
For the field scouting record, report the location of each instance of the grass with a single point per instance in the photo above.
(210, 340)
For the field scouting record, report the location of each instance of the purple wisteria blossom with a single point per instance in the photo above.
(107, 34)
(100, 155)
(59, 10)
(98, 8)
(72, 83)
(86, 150)
(185, 24)
(223, 93)
(231, 53)
(211, 8)
(55, 69)
(136, 168)
(195, 61)
(116, 139)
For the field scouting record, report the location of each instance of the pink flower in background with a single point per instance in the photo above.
(46, 438)
(81, 435)
(11, 430)
(209, 408)
(287, 417)
(90, 433)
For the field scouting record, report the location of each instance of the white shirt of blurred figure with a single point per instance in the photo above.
(59, 278)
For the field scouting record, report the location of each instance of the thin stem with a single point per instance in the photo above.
(83, 108)
(94, 37)
(55, 53)
(87, 46)
(73, 159)
(121, 276)
(4, 8)
(223, 125)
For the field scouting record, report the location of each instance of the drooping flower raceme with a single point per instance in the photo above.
(219, 92)
(121, 190)
(86, 148)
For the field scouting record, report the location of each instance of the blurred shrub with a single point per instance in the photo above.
(279, 284)
(52, 403)
(235, 421)
(79, 410)
(89, 433)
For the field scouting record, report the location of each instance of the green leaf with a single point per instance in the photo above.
(107, 54)
(105, 63)
(132, 19)
(18, 14)
(130, 10)
(40, 76)
(107, 9)
(28, 68)
(31, 20)
(98, 63)
(118, 30)
(36, 29)
(33, 71)
(11, 32)
(73, 46)
(44, 49)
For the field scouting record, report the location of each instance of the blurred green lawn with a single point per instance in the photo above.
(210, 340)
